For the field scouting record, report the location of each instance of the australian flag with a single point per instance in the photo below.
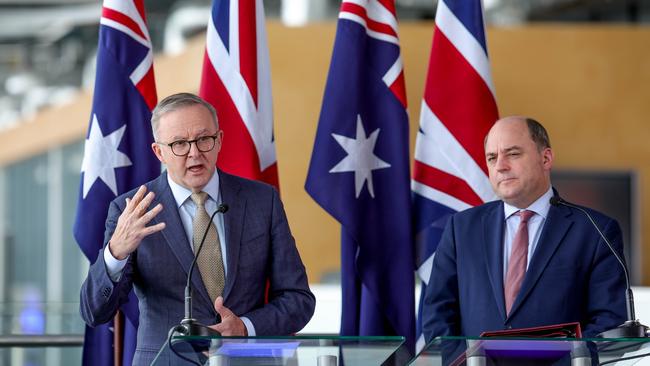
(117, 153)
(359, 171)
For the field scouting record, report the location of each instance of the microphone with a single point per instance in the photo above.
(189, 326)
(632, 328)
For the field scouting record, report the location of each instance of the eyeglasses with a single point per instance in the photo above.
(182, 147)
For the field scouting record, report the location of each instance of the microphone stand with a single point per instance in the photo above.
(631, 328)
(190, 326)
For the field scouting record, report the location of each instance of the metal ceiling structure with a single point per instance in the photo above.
(47, 46)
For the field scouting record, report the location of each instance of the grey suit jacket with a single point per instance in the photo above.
(259, 245)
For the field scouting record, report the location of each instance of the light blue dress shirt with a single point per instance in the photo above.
(535, 225)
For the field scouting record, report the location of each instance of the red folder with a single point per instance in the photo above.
(564, 330)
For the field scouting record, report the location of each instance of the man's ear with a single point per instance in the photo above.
(158, 152)
(219, 141)
(547, 158)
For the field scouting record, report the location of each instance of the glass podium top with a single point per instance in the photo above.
(502, 351)
(289, 351)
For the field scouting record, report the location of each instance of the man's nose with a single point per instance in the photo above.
(501, 164)
(194, 150)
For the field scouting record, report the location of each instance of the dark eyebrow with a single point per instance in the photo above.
(200, 134)
(511, 149)
(504, 151)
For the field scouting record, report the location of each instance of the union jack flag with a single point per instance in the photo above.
(459, 107)
(359, 171)
(236, 80)
(117, 153)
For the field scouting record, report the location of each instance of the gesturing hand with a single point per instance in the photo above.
(230, 324)
(132, 224)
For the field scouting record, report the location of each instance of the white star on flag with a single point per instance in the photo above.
(361, 158)
(101, 157)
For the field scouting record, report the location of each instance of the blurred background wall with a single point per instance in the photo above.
(589, 85)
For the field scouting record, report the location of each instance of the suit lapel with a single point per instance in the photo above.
(555, 228)
(174, 234)
(234, 224)
(493, 226)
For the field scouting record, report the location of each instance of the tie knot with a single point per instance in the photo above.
(199, 198)
(525, 215)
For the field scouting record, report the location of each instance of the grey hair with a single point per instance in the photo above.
(175, 102)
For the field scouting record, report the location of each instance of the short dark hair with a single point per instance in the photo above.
(538, 134)
(177, 101)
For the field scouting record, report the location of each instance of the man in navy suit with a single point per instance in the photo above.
(567, 272)
(150, 236)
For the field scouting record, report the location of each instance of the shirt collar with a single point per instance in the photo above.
(181, 194)
(540, 206)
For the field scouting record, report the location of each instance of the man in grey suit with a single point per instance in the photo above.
(152, 233)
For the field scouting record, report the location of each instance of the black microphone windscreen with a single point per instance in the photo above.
(223, 208)
(555, 201)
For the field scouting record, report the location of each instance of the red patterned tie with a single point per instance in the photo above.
(518, 259)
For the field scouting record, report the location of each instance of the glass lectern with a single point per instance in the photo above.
(534, 352)
(283, 351)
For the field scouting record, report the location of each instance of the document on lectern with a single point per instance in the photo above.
(564, 330)
(504, 349)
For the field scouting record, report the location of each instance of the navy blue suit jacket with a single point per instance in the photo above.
(572, 275)
(259, 245)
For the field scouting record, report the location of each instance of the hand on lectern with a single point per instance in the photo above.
(230, 324)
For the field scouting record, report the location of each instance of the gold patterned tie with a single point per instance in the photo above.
(210, 260)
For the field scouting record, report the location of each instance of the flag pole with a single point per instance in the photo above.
(118, 338)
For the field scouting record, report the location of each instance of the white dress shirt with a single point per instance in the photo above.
(535, 224)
